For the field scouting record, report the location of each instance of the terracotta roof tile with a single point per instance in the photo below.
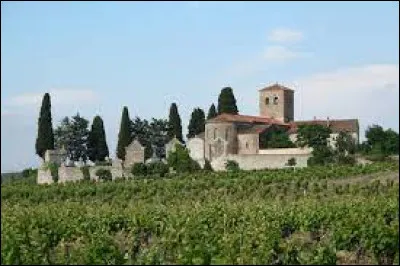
(349, 125)
(246, 119)
(276, 86)
(256, 129)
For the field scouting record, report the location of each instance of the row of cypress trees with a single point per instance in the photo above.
(97, 139)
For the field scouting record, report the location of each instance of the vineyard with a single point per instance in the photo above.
(315, 215)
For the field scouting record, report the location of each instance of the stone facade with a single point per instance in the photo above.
(55, 156)
(134, 154)
(248, 143)
(220, 139)
(260, 161)
(44, 176)
(66, 174)
(277, 102)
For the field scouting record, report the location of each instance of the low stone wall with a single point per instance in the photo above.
(286, 151)
(260, 161)
(44, 176)
(66, 174)
(115, 172)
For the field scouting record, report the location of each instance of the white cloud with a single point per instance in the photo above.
(58, 96)
(368, 92)
(284, 35)
(281, 54)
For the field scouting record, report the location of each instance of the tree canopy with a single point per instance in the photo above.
(227, 102)
(212, 112)
(196, 123)
(97, 144)
(45, 135)
(174, 123)
(124, 135)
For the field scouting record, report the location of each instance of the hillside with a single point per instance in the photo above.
(315, 215)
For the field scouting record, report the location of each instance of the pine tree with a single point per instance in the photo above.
(45, 137)
(97, 143)
(227, 102)
(175, 125)
(124, 135)
(197, 123)
(212, 112)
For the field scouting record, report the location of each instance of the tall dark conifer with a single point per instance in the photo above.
(124, 135)
(45, 136)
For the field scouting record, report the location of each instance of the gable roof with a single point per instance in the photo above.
(246, 119)
(348, 125)
(256, 129)
(276, 86)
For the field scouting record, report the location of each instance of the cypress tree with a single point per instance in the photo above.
(175, 125)
(45, 137)
(97, 143)
(212, 112)
(197, 123)
(227, 102)
(124, 135)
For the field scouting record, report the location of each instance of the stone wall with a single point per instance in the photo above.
(248, 143)
(55, 156)
(134, 154)
(44, 176)
(217, 135)
(261, 161)
(196, 148)
(116, 173)
(66, 174)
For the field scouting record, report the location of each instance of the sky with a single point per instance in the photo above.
(341, 58)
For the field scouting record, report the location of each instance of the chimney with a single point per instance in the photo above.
(327, 121)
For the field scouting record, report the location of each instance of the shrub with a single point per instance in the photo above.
(346, 159)
(104, 174)
(103, 163)
(85, 172)
(53, 167)
(181, 161)
(157, 168)
(231, 165)
(207, 166)
(291, 162)
(139, 169)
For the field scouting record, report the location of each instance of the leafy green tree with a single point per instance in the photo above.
(227, 102)
(345, 143)
(321, 155)
(212, 112)
(196, 123)
(391, 143)
(72, 134)
(45, 136)
(140, 130)
(159, 136)
(175, 124)
(312, 135)
(181, 161)
(97, 145)
(275, 138)
(380, 141)
(124, 135)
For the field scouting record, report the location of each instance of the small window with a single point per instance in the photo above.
(226, 133)
(247, 145)
(276, 100)
(215, 133)
(267, 100)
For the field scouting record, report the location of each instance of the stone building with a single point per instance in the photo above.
(236, 137)
(134, 154)
(55, 156)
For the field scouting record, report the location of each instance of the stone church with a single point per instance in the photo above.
(237, 136)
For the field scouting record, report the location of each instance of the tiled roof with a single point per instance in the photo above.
(245, 119)
(256, 129)
(276, 86)
(349, 125)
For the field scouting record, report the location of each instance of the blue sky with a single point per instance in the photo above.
(341, 58)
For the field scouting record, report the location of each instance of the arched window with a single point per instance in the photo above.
(215, 133)
(247, 145)
(276, 100)
(267, 100)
